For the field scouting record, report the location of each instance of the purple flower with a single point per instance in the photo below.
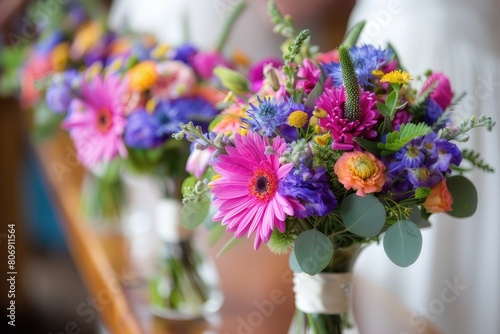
(433, 112)
(312, 189)
(185, 53)
(59, 95)
(447, 153)
(424, 177)
(141, 130)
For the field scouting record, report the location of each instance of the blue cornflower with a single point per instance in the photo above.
(366, 58)
(312, 189)
(268, 115)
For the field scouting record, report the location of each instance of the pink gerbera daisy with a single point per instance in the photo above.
(247, 191)
(343, 130)
(96, 120)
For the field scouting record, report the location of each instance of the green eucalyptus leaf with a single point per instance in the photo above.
(294, 264)
(464, 195)
(363, 216)
(313, 251)
(416, 217)
(403, 243)
(193, 213)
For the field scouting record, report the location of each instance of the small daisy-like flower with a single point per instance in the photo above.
(361, 171)
(267, 116)
(298, 118)
(400, 77)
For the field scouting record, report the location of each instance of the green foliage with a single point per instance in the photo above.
(313, 251)
(363, 216)
(403, 243)
(283, 23)
(475, 160)
(464, 195)
(353, 34)
(397, 139)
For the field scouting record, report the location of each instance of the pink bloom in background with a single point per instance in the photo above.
(401, 117)
(247, 190)
(96, 121)
(175, 79)
(230, 120)
(38, 67)
(328, 57)
(198, 161)
(205, 62)
(267, 88)
(256, 72)
(442, 94)
(342, 129)
(439, 200)
(308, 76)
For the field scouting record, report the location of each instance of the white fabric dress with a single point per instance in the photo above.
(456, 281)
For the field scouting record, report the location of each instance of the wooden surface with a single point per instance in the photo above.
(257, 300)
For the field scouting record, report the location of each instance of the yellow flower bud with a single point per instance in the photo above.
(298, 119)
(320, 113)
(322, 139)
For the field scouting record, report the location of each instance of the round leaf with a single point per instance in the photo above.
(313, 251)
(363, 216)
(293, 263)
(193, 213)
(464, 195)
(403, 243)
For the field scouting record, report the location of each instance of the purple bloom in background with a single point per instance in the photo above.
(205, 62)
(183, 110)
(366, 58)
(48, 43)
(312, 189)
(59, 94)
(141, 130)
(185, 53)
(256, 72)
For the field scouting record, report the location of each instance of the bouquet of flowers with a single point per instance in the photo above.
(120, 111)
(333, 151)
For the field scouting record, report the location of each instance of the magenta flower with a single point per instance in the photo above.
(442, 94)
(205, 62)
(256, 72)
(247, 191)
(308, 76)
(342, 129)
(96, 121)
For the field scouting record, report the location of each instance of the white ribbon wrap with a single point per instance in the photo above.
(324, 293)
(167, 220)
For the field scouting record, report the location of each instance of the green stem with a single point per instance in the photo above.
(237, 10)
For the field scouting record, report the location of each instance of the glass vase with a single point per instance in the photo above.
(323, 301)
(185, 284)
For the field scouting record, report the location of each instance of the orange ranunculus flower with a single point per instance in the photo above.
(143, 75)
(439, 200)
(361, 171)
